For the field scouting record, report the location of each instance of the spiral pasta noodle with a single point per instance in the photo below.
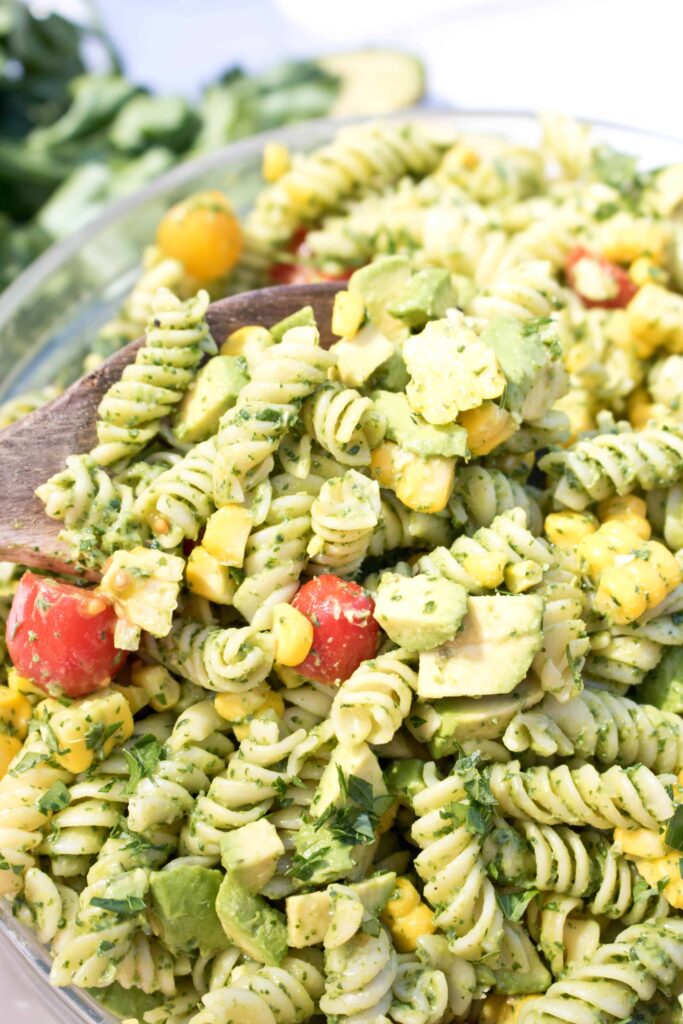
(131, 411)
(624, 797)
(225, 660)
(287, 993)
(180, 500)
(608, 464)
(400, 527)
(526, 291)
(451, 865)
(245, 791)
(16, 408)
(41, 905)
(147, 966)
(559, 663)
(419, 994)
(343, 517)
(358, 978)
(371, 704)
(609, 727)
(342, 422)
(480, 494)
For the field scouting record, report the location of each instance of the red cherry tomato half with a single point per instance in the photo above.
(301, 273)
(344, 630)
(61, 636)
(624, 287)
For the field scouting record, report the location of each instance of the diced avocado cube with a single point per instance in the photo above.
(215, 390)
(127, 1003)
(405, 779)
(391, 375)
(308, 915)
(419, 612)
(530, 355)
(251, 853)
(492, 653)
(250, 923)
(477, 718)
(409, 430)
(184, 902)
(663, 687)
(380, 284)
(304, 317)
(428, 295)
(359, 357)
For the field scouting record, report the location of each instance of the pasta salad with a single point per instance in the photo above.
(375, 713)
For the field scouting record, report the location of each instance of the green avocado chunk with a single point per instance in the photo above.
(304, 317)
(663, 687)
(250, 923)
(427, 296)
(508, 978)
(530, 356)
(251, 853)
(126, 1002)
(491, 654)
(380, 284)
(184, 902)
(215, 390)
(308, 914)
(409, 430)
(405, 779)
(477, 718)
(419, 612)
(391, 375)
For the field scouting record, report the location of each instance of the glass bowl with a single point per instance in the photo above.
(51, 313)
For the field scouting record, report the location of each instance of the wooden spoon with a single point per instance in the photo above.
(35, 447)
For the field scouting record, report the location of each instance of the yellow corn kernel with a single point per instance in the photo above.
(628, 509)
(9, 748)
(599, 550)
(656, 318)
(645, 270)
(233, 707)
(15, 713)
(578, 406)
(226, 534)
(275, 161)
(492, 1009)
(486, 567)
(273, 702)
(640, 842)
(293, 635)
(655, 871)
(20, 684)
(209, 578)
(626, 591)
(245, 340)
(624, 238)
(348, 314)
(89, 728)
(666, 564)
(510, 1012)
(422, 483)
(407, 917)
(487, 426)
(158, 682)
(640, 408)
(522, 576)
(568, 529)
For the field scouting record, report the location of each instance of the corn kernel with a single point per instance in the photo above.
(20, 684)
(655, 871)
(275, 162)
(209, 578)
(9, 748)
(15, 713)
(407, 917)
(226, 534)
(599, 550)
(487, 426)
(624, 238)
(567, 529)
(626, 591)
(293, 635)
(423, 483)
(382, 464)
(486, 567)
(89, 728)
(628, 509)
(492, 1009)
(656, 318)
(640, 842)
(273, 702)
(348, 314)
(665, 563)
(578, 406)
(245, 340)
(645, 270)
(522, 576)
(233, 707)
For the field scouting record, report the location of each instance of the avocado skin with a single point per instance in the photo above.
(184, 901)
(663, 686)
(428, 295)
(250, 922)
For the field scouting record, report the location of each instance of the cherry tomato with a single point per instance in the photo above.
(344, 630)
(300, 273)
(61, 636)
(624, 287)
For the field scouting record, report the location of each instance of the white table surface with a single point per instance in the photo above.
(609, 59)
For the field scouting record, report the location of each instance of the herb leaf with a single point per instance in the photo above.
(142, 760)
(129, 906)
(56, 798)
(513, 904)
(674, 830)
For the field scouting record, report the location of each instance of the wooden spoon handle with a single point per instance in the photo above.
(35, 447)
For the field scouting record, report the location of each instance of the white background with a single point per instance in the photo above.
(614, 60)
